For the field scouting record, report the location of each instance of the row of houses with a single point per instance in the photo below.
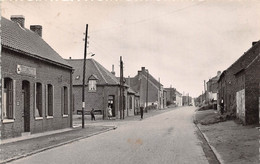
(40, 91)
(238, 86)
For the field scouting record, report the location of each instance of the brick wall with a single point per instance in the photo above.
(252, 80)
(96, 100)
(230, 84)
(45, 74)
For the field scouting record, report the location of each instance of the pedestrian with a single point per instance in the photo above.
(92, 114)
(109, 112)
(142, 111)
(222, 106)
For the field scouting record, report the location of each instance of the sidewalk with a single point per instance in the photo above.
(231, 142)
(12, 149)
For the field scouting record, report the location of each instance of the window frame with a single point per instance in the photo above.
(6, 97)
(40, 117)
(47, 101)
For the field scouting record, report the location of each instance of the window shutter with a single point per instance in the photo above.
(40, 100)
(10, 100)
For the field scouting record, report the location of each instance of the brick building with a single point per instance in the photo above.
(102, 88)
(212, 88)
(156, 93)
(239, 86)
(36, 82)
(173, 96)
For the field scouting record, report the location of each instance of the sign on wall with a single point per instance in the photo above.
(25, 70)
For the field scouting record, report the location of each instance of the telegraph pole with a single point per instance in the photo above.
(121, 88)
(159, 102)
(146, 105)
(84, 72)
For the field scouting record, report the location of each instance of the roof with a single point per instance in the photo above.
(27, 42)
(93, 68)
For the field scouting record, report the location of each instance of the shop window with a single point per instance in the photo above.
(7, 101)
(38, 100)
(64, 100)
(49, 100)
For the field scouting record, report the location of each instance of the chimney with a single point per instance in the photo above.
(37, 29)
(253, 43)
(129, 83)
(143, 69)
(18, 19)
(218, 73)
(113, 70)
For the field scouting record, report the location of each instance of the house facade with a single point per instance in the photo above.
(144, 82)
(239, 86)
(102, 88)
(212, 88)
(173, 96)
(36, 82)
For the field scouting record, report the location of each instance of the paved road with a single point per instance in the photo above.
(168, 138)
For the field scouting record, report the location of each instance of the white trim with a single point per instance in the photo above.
(7, 121)
(38, 118)
(49, 117)
(65, 115)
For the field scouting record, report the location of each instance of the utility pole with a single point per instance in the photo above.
(146, 105)
(159, 95)
(84, 74)
(121, 103)
(205, 91)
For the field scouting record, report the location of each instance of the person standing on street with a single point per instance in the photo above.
(222, 106)
(109, 112)
(92, 114)
(142, 111)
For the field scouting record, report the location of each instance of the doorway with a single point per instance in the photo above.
(26, 104)
(111, 103)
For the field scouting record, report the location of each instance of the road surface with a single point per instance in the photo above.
(168, 138)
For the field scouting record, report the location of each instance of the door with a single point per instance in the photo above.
(111, 103)
(26, 105)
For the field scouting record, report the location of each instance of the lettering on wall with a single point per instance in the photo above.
(25, 70)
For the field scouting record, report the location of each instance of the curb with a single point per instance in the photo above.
(217, 155)
(57, 145)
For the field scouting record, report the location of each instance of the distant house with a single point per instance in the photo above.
(156, 96)
(239, 86)
(173, 96)
(102, 88)
(212, 88)
(36, 82)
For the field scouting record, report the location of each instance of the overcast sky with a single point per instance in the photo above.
(181, 42)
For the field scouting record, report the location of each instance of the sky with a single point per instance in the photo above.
(182, 42)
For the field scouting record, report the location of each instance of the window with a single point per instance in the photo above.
(92, 85)
(8, 111)
(64, 100)
(49, 100)
(38, 100)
